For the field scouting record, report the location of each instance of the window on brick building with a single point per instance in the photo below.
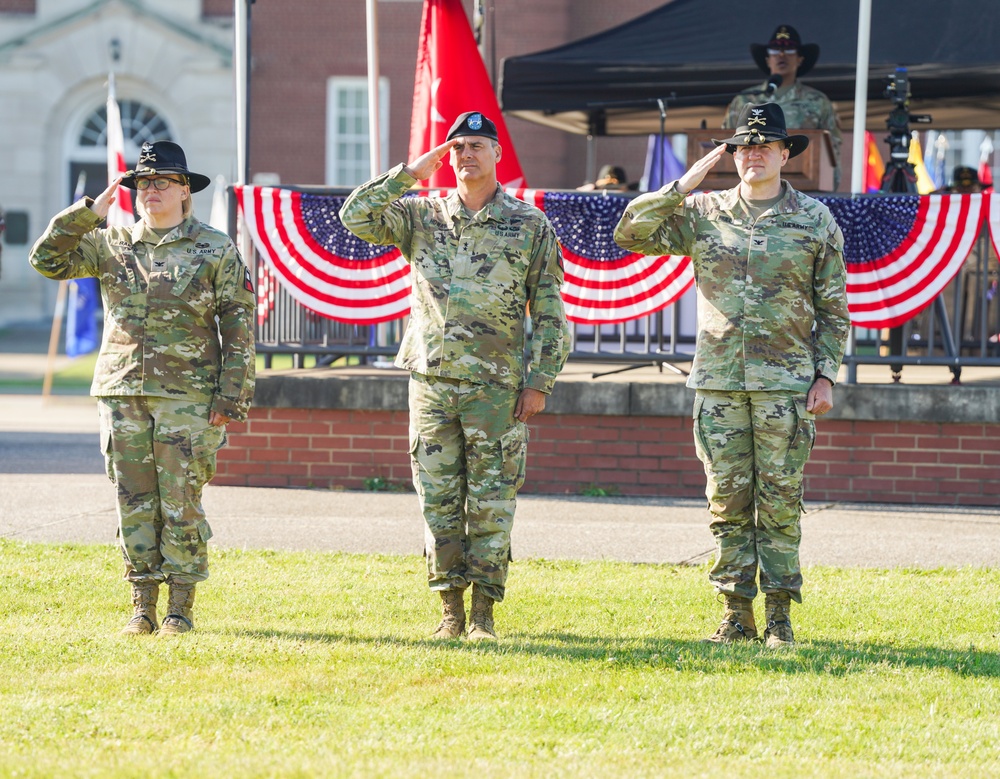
(140, 123)
(347, 156)
(89, 154)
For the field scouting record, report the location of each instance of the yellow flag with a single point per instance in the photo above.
(916, 158)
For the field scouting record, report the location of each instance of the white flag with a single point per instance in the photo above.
(120, 214)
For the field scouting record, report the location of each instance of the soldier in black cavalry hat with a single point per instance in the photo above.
(176, 366)
(784, 59)
(772, 328)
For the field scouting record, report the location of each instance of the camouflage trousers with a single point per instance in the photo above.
(160, 453)
(754, 446)
(468, 454)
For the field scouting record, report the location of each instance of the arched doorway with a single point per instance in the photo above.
(89, 159)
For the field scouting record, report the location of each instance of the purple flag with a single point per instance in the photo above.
(662, 165)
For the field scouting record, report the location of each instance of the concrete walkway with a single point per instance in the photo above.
(53, 489)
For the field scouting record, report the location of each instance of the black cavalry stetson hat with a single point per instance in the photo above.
(164, 157)
(786, 37)
(764, 123)
(473, 123)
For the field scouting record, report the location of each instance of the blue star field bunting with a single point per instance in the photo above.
(901, 251)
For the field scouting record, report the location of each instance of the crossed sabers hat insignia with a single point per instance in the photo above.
(757, 117)
(763, 123)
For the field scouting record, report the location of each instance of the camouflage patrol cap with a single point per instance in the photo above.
(164, 157)
(764, 123)
(473, 123)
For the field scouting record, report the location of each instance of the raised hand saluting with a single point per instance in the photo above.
(696, 173)
(427, 164)
(102, 203)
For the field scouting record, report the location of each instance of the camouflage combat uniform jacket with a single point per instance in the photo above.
(473, 277)
(161, 298)
(761, 285)
(805, 108)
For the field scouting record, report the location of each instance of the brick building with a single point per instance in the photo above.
(175, 78)
(301, 59)
(174, 74)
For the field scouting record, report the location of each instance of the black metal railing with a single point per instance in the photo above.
(966, 314)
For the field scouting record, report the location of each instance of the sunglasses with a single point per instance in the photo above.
(159, 184)
(786, 52)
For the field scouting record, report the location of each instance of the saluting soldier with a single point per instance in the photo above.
(176, 365)
(772, 329)
(481, 261)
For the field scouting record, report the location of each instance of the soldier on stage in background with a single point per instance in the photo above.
(804, 108)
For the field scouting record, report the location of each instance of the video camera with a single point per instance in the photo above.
(897, 89)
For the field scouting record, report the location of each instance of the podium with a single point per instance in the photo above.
(810, 171)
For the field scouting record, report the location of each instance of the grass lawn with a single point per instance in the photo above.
(316, 664)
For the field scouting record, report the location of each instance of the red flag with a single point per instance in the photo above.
(985, 171)
(451, 79)
(874, 167)
(120, 213)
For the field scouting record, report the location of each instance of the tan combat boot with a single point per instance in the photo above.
(481, 619)
(778, 634)
(179, 608)
(737, 622)
(144, 597)
(453, 621)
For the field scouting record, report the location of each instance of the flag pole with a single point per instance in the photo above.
(859, 149)
(50, 361)
(859, 152)
(374, 125)
(241, 57)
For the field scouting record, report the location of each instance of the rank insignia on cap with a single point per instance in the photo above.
(472, 123)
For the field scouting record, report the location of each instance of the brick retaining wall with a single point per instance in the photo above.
(325, 431)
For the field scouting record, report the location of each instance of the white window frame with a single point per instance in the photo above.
(336, 165)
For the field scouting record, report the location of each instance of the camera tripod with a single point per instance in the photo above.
(901, 178)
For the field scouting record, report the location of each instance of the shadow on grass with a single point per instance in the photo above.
(826, 658)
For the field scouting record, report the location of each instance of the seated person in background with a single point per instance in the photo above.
(609, 177)
(804, 107)
(964, 181)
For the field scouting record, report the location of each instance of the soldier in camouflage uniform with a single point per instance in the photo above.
(772, 328)
(176, 365)
(480, 260)
(805, 108)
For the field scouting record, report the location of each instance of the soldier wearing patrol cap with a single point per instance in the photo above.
(804, 107)
(480, 260)
(772, 328)
(176, 366)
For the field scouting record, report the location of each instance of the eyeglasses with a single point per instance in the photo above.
(778, 52)
(158, 183)
(757, 148)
